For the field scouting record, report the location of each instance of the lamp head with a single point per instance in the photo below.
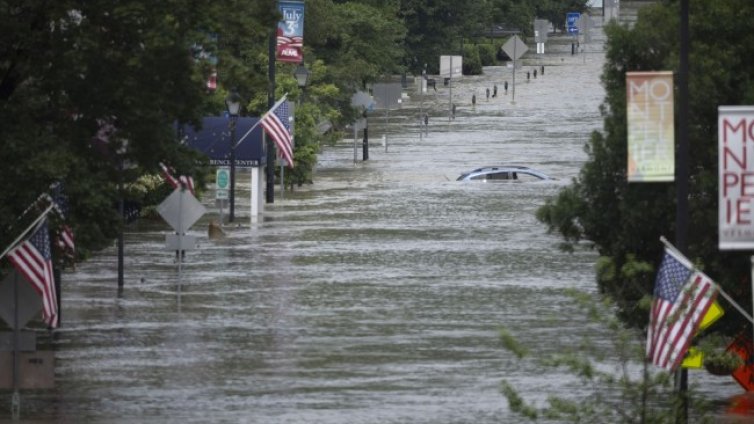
(302, 75)
(233, 103)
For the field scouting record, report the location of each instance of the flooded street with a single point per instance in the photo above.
(374, 295)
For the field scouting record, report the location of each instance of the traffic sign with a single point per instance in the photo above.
(514, 47)
(180, 242)
(181, 210)
(222, 183)
(29, 301)
(572, 22)
(222, 178)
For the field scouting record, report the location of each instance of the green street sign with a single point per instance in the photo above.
(222, 179)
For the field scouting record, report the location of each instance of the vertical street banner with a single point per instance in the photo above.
(290, 32)
(736, 177)
(651, 136)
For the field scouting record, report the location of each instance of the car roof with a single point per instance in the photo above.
(507, 168)
(502, 168)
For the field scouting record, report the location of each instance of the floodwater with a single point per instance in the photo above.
(374, 295)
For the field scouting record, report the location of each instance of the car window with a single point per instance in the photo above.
(501, 175)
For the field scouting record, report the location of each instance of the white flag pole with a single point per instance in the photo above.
(36, 221)
(720, 289)
(275, 106)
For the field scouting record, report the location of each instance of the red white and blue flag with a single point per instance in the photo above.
(33, 259)
(682, 296)
(60, 204)
(278, 126)
(184, 180)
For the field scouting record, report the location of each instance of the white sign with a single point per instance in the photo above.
(176, 242)
(736, 180)
(181, 210)
(445, 65)
(514, 47)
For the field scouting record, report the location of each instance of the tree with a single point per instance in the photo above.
(79, 79)
(624, 221)
(439, 28)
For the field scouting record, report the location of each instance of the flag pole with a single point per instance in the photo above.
(275, 106)
(720, 289)
(36, 221)
(751, 259)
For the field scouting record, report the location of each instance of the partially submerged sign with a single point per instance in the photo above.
(36, 369)
(180, 242)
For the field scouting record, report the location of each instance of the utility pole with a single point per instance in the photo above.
(270, 196)
(682, 184)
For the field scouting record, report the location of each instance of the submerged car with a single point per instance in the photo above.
(504, 173)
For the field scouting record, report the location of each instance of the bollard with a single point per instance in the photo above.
(365, 145)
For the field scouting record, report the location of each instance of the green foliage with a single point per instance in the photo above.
(516, 403)
(511, 344)
(610, 390)
(487, 54)
(472, 64)
(624, 221)
(67, 69)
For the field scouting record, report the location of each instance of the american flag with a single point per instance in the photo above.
(187, 182)
(61, 206)
(277, 125)
(682, 297)
(33, 259)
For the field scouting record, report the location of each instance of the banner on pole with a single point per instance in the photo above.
(651, 137)
(736, 177)
(290, 32)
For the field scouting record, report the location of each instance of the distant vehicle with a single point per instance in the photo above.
(504, 173)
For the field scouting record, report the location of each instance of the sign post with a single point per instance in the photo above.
(514, 48)
(180, 210)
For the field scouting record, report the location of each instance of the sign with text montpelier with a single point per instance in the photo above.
(736, 179)
(651, 137)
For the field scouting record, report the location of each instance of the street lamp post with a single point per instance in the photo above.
(302, 76)
(233, 104)
(121, 209)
